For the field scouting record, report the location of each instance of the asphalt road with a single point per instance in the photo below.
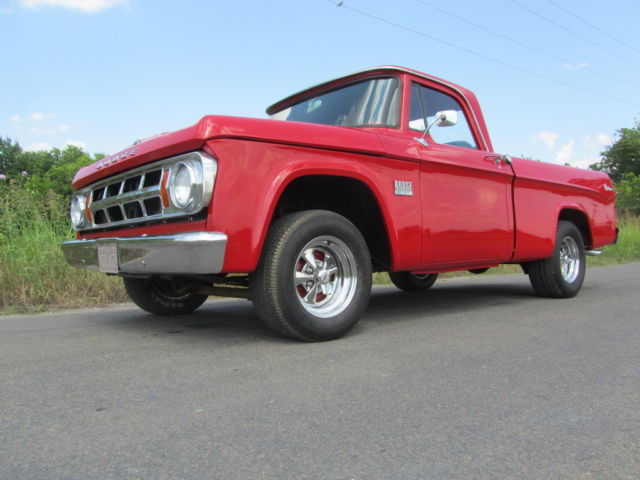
(476, 379)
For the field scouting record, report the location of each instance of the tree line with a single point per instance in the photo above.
(42, 171)
(621, 161)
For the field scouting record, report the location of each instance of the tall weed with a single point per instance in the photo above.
(33, 271)
(626, 249)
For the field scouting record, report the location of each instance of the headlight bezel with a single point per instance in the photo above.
(194, 181)
(77, 211)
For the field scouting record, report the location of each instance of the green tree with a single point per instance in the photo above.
(10, 153)
(42, 171)
(55, 170)
(628, 194)
(623, 157)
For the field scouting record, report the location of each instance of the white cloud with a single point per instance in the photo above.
(39, 116)
(63, 128)
(41, 131)
(571, 66)
(548, 138)
(585, 162)
(76, 143)
(565, 153)
(568, 151)
(34, 147)
(16, 119)
(603, 139)
(600, 140)
(85, 6)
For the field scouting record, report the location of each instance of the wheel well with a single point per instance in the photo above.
(347, 197)
(579, 219)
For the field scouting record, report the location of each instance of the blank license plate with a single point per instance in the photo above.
(108, 257)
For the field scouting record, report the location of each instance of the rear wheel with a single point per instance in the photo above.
(163, 296)
(314, 278)
(562, 275)
(413, 282)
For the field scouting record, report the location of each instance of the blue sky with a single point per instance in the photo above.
(101, 73)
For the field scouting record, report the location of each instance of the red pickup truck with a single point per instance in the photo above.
(387, 169)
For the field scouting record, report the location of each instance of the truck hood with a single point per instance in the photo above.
(215, 126)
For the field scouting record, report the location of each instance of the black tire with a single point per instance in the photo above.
(562, 275)
(319, 256)
(478, 271)
(162, 296)
(411, 282)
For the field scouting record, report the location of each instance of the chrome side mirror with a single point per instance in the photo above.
(444, 118)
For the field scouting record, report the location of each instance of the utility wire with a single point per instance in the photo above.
(478, 54)
(593, 26)
(525, 45)
(586, 39)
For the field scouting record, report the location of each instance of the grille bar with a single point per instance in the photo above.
(121, 200)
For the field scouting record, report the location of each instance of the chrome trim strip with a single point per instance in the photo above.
(185, 253)
(127, 197)
(397, 69)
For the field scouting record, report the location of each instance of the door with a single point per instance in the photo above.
(466, 192)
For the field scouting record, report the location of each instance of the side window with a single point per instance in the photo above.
(416, 112)
(425, 103)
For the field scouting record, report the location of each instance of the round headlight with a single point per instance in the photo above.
(77, 211)
(182, 186)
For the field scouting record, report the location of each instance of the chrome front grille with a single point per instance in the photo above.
(134, 197)
(143, 194)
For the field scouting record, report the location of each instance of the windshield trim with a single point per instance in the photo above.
(313, 93)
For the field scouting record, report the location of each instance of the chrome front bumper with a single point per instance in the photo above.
(186, 253)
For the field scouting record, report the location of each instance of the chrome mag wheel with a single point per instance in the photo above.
(325, 276)
(314, 278)
(562, 275)
(570, 259)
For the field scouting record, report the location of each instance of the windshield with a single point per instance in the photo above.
(370, 103)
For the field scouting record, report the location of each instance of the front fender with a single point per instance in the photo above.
(253, 175)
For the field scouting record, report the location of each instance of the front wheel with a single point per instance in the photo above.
(314, 278)
(562, 275)
(413, 282)
(163, 296)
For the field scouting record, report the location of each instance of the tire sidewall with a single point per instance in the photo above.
(410, 282)
(306, 323)
(145, 293)
(569, 289)
(423, 282)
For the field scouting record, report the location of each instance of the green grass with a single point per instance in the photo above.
(626, 250)
(35, 276)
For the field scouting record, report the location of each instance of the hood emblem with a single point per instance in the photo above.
(114, 158)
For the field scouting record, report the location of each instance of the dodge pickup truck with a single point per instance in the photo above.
(387, 170)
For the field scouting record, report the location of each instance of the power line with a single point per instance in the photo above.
(478, 54)
(525, 45)
(593, 26)
(586, 39)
